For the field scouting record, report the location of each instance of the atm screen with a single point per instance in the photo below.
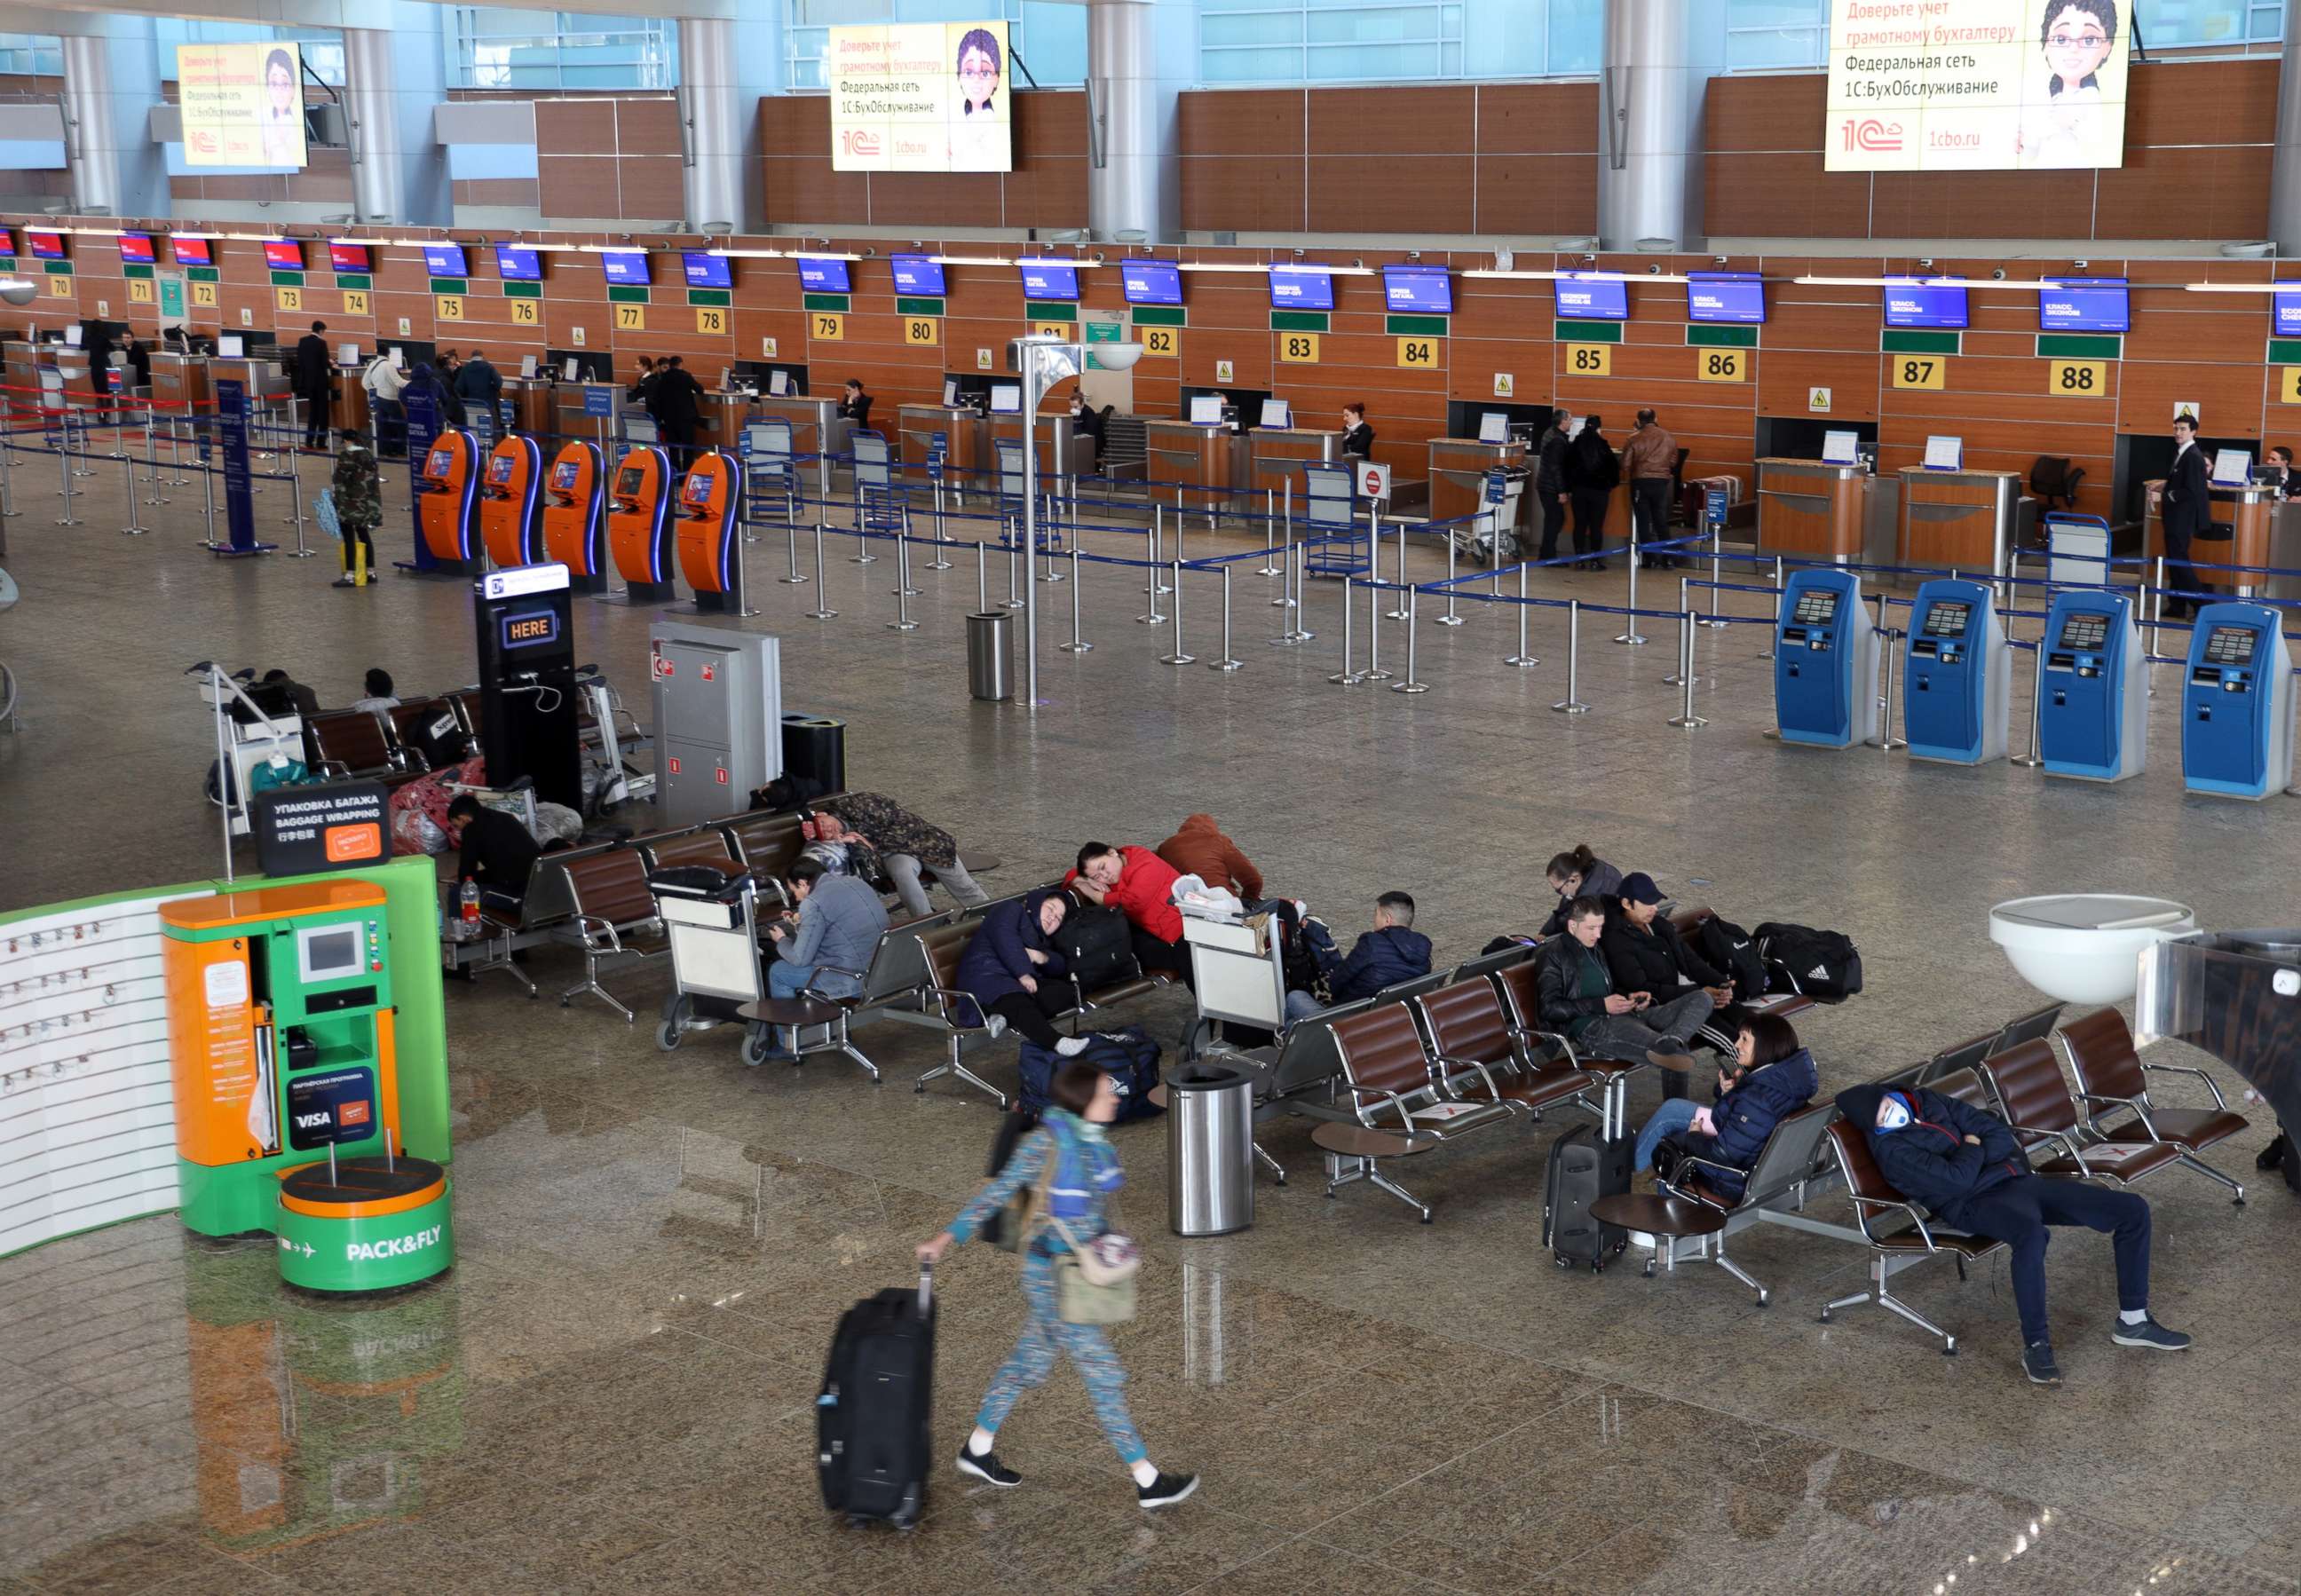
(630, 480)
(1947, 618)
(563, 477)
(1815, 608)
(2230, 645)
(698, 491)
(2086, 632)
(437, 463)
(499, 470)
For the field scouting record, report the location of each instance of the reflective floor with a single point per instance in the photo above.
(612, 1389)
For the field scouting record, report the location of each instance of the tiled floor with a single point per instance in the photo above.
(613, 1388)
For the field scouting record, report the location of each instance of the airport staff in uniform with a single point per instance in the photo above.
(312, 382)
(2184, 511)
(2279, 475)
(1086, 422)
(854, 404)
(1358, 438)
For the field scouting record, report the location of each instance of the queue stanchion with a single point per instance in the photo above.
(1686, 719)
(1400, 613)
(1572, 703)
(1158, 525)
(8, 510)
(790, 555)
(1887, 741)
(982, 581)
(77, 420)
(2156, 608)
(64, 473)
(1449, 618)
(1409, 684)
(1685, 603)
(1013, 600)
(1229, 662)
(295, 492)
(1078, 643)
(1524, 659)
(1297, 562)
(903, 588)
(1717, 577)
(1180, 657)
(1780, 578)
(1285, 599)
(1347, 676)
(151, 463)
(1301, 610)
(1269, 532)
(135, 528)
(1629, 633)
(822, 610)
(1151, 589)
(207, 491)
(941, 561)
(2033, 759)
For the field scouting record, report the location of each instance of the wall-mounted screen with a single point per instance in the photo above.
(347, 257)
(242, 105)
(1151, 283)
(1049, 280)
(516, 262)
(1598, 297)
(2084, 305)
(1737, 296)
(191, 252)
(445, 260)
(1927, 302)
(928, 96)
(917, 274)
(1291, 289)
(819, 276)
(624, 268)
(283, 255)
(1426, 289)
(706, 270)
(135, 249)
(43, 246)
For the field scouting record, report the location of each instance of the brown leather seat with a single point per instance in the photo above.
(1967, 1087)
(352, 742)
(2035, 1101)
(614, 914)
(959, 1016)
(2112, 1079)
(768, 843)
(1876, 1205)
(1521, 989)
(708, 846)
(1389, 1076)
(1483, 1058)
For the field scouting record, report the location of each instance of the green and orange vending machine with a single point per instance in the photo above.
(280, 1020)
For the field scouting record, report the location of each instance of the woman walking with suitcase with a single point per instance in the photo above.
(1073, 1170)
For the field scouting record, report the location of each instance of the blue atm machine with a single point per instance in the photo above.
(2092, 703)
(1957, 677)
(1825, 661)
(2237, 704)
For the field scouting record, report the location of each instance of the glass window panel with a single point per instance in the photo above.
(1268, 27)
(2166, 23)
(1770, 48)
(1577, 37)
(1370, 62)
(1775, 13)
(1373, 27)
(1252, 66)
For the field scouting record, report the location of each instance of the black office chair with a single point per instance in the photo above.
(2051, 478)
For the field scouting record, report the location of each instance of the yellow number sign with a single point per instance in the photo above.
(205, 294)
(2077, 379)
(1723, 365)
(60, 288)
(449, 307)
(289, 298)
(1162, 341)
(1418, 353)
(140, 291)
(1298, 348)
(525, 313)
(354, 302)
(710, 318)
(1590, 360)
(2289, 385)
(922, 330)
(631, 318)
(824, 327)
(1920, 371)
(1061, 330)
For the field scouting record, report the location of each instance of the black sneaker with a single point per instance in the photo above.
(986, 1467)
(2150, 1333)
(1167, 1490)
(2037, 1360)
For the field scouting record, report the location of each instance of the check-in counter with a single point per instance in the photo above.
(263, 382)
(2284, 552)
(2239, 534)
(1199, 469)
(77, 369)
(1811, 508)
(534, 410)
(180, 384)
(1279, 454)
(969, 463)
(1063, 450)
(818, 431)
(22, 362)
(1458, 477)
(1957, 520)
(348, 407)
(725, 411)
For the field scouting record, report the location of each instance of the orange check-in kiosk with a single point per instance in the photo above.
(449, 509)
(710, 506)
(575, 516)
(511, 502)
(639, 523)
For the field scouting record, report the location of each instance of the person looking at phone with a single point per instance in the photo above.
(1578, 999)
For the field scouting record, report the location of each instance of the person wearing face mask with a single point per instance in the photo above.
(1965, 1165)
(1086, 427)
(1358, 438)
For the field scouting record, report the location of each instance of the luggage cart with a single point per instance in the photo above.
(717, 960)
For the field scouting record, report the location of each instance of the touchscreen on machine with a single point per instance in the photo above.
(1948, 618)
(499, 470)
(563, 476)
(630, 480)
(1815, 608)
(2230, 645)
(2084, 631)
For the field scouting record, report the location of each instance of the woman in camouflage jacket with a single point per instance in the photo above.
(904, 843)
(358, 490)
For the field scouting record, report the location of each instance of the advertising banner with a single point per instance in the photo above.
(923, 97)
(1976, 85)
(243, 104)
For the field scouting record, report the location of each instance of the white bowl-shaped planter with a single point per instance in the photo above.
(2085, 947)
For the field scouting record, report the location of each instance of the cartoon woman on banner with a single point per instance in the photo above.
(978, 127)
(2065, 121)
(283, 112)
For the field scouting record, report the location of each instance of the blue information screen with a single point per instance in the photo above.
(1426, 289)
(516, 262)
(1049, 280)
(822, 277)
(917, 274)
(1934, 303)
(444, 260)
(624, 268)
(1151, 282)
(2084, 305)
(1594, 298)
(1301, 290)
(706, 270)
(1737, 296)
(2287, 301)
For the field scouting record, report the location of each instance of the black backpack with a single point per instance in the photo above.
(1098, 951)
(1817, 963)
(1726, 945)
(1004, 1228)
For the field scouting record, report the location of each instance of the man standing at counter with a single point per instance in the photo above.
(313, 379)
(2185, 509)
(1650, 460)
(1550, 483)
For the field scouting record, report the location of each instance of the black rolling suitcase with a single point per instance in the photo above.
(1584, 1166)
(873, 1448)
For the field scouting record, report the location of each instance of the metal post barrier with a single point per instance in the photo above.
(2156, 609)
(1524, 659)
(1374, 670)
(76, 420)
(1046, 539)
(2033, 759)
(178, 427)
(1409, 685)
(1346, 676)
(1229, 662)
(1158, 525)
(1013, 600)
(1685, 603)
(1078, 643)
(981, 580)
(1572, 703)
(1885, 738)
(1152, 587)
(295, 492)
(1781, 579)
(207, 491)
(294, 484)
(1285, 599)
(65, 475)
(903, 588)
(941, 561)
(1400, 613)
(134, 528)
(862, 555)
(151, 463)
(1629, 622)
(822, 610)
(1269, 532)
(1301, 611)
(1717, 568)
(1686, 719)
(790, 554)
(8, 510)
(1179, 658)
(1449, 618)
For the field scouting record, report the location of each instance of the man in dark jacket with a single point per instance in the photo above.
(1769, 1078)
(495, 851)
(1550, 483)
(677, 403)
(1576, 993)
(1392, 952)
(2185, 510)
(1646, 954)
(480, 386)
(426, 379)
(1966, 1166)
(1591, 473)
(310, 381)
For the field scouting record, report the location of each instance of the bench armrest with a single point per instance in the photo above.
(944, 996)
(2182, 1069)
(1387, 1099)
(1910, 1208)
(1694, 1161)
(2140, 1107)
(2069, 1143)
(584, 923)
(1447, 1062)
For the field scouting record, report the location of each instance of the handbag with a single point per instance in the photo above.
(1088, 1289)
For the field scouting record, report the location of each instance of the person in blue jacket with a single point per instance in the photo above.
(1392, 952)
(1008, 964)
(1965, 1165)
(1772, 1076)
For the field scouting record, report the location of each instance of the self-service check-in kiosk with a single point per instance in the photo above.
(2092, 694)
(1958, 675)
(575, 516)
(1825, 661)
(639, 523)
(710, 503)
(511, 502)
(286, 1079)
(447, 509)
(527, 681)
(2237, 704)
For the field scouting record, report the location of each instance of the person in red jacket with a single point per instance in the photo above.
(1139, 885)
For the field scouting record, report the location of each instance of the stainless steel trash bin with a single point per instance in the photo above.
(1209, 1149)
(991, 653)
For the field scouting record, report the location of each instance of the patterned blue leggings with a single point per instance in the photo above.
(1044, 1334)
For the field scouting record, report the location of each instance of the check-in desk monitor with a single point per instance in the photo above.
(710, 504)
(1825, 661)
(1957, 676)
(2237, 704)
(510, 504)
(447, 510)
(575, 516)
(2093, 704)
(639, 524)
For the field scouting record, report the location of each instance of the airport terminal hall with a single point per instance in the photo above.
(1261, 798)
